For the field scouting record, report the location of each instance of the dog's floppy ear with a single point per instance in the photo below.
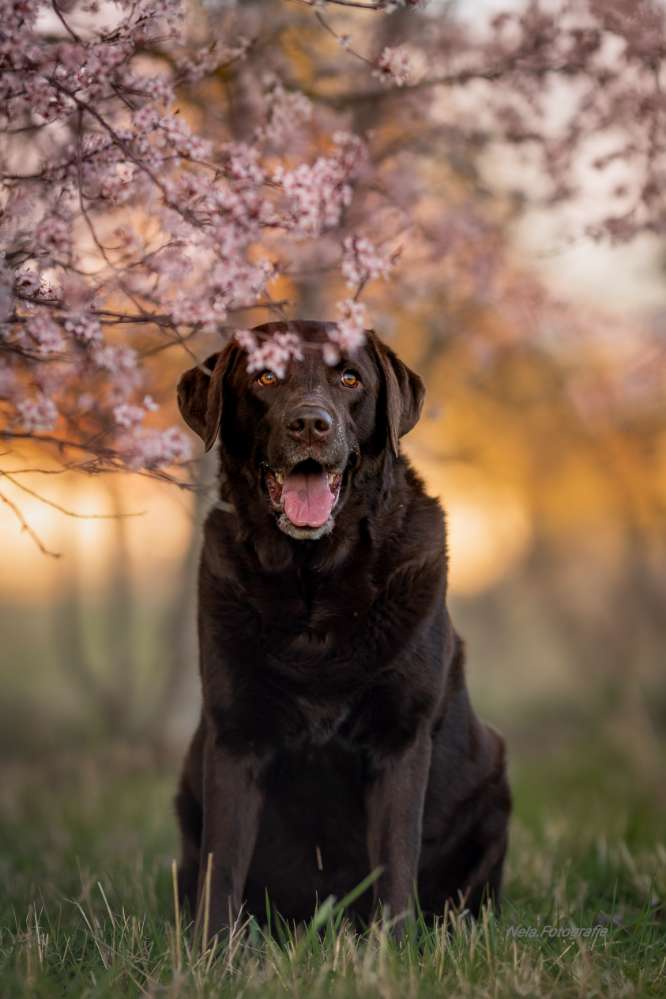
(200, 395)
(403, 392)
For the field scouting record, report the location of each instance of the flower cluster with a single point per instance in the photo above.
(84, 327)
(348, 334)
(154, 448)
(274, 352)
(128, 220)
(127, 415)
(317, 194)
(362, 261)
(394, 67)
(43, 334)
(36, 413)
(285, 112)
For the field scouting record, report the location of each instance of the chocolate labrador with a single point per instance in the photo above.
(337, 736)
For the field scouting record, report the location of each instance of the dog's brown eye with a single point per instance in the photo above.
(267, 378)
(350, 379)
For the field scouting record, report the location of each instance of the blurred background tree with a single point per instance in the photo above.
(489, 185)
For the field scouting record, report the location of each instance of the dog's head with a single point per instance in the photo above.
(299, 441)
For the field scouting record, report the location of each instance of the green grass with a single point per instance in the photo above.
(87, 904)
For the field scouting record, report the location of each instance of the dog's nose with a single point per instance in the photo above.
(310, 423)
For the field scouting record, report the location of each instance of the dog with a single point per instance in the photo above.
(336, 738)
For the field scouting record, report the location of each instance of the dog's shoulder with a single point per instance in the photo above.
(412, 529)
(221, 555)
(426, 514)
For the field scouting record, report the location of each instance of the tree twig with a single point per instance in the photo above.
(25, 526)
(62, 509)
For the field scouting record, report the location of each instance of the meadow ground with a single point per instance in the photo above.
(87, 909)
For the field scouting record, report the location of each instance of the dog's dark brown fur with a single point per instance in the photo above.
(336, 736)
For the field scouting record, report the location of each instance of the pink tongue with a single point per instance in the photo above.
(307, 499)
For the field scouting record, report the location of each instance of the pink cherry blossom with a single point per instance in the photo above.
(349, 333)
(36, 413)
(85, 328)
(394, 67)
(317, 195)
(117, 360)
(44, 334)
(127, 415)
(362, 261)
(275, 353)
(154, 448)
(246, 339)
(139, 214)
(242, 164)
(285, 111)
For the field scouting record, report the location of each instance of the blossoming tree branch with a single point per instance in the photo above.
(160, 180)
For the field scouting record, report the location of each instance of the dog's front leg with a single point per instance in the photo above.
(232, 800)
(394, 802)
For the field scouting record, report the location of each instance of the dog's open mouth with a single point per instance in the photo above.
(305, 497)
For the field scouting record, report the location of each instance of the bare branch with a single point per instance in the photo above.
(358, 4)
(25, 526)
(62, 509)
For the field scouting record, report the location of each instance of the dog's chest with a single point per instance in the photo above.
(322, 722)
(306, 602)
(315, 689)
(307, 654)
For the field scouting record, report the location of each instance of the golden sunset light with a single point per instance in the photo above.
(332, 499)
(153, 535)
